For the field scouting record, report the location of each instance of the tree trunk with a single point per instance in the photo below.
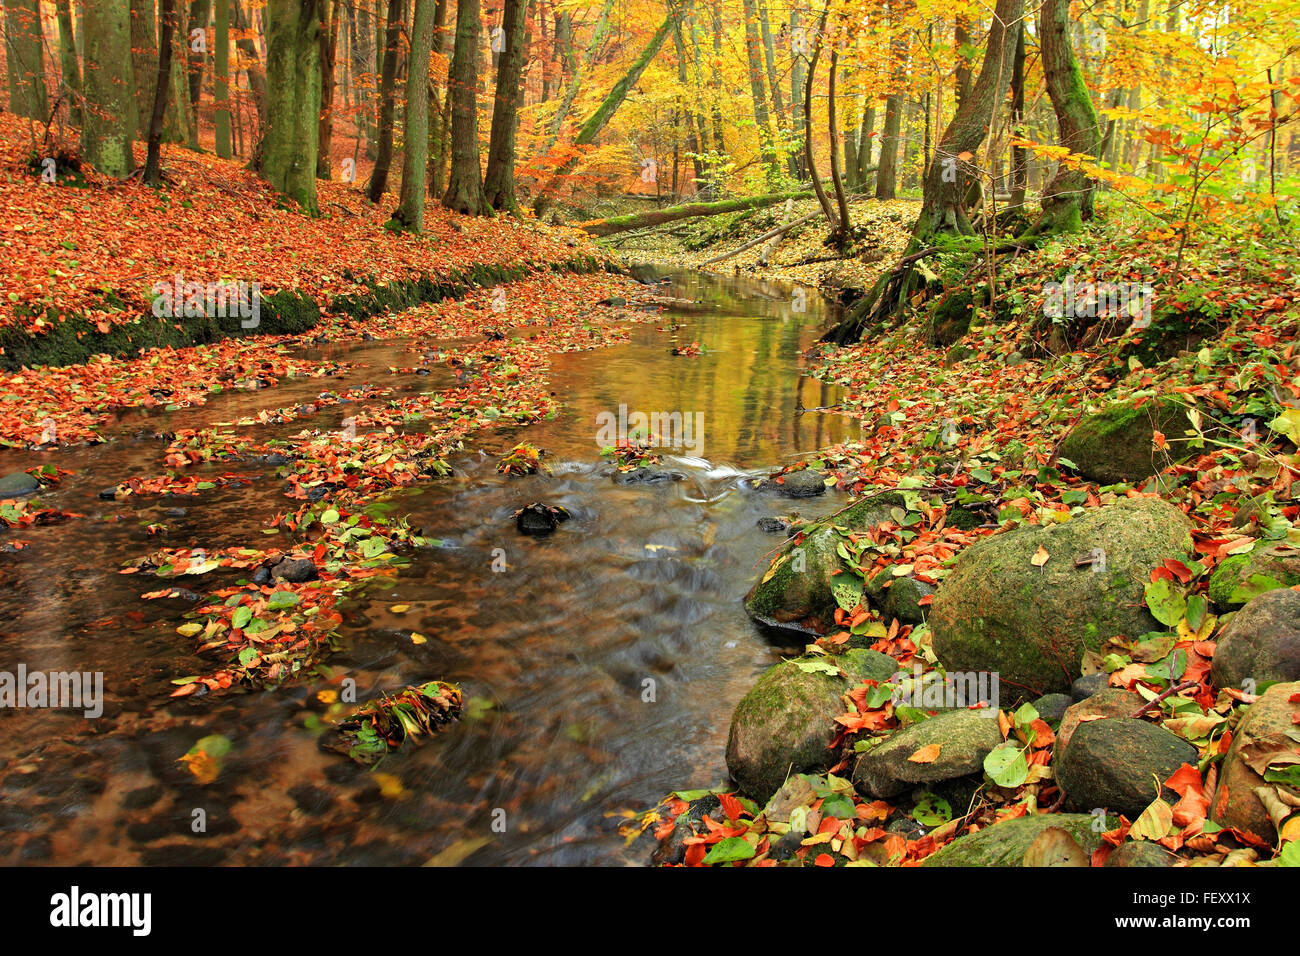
(293, 77)
(70, 66)
(200, 10)
(762, 119)
(499, 181)
(387, 87)
(438, 131)
(843, 231)
(962, 40)
(1069, 197)
(1019, 163)
(329, 41)
(694, 122)
(110, 89)
(221, 79)
(144, 61)
(465, 183)
(657, 217)
(409, 216)
(25, 59)
(256, 74)
(808, 157)
(865, 147)
(798, 168)
(162, 83)
(769, 58)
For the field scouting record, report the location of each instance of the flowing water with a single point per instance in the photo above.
(600, 664)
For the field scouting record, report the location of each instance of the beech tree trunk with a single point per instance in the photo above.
(25, 59)
(387, 86)
(499, 181)
(110, 124)
(289, 148)
(162, 84)
(415, 155)
(1068, 199)
(465, 183)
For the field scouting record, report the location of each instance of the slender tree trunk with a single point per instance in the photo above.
(715, 78)
(162, 83)
(769, 58)
(499, 181)
(438, 131)
(415, 156)
(866, 148)
(110, 107)
(254, 70)
(200, 10)
(25, 59)
(290, 146)
(962, 41)
(69, 65)
(144, 61)
(387, 87)
(798, 167)
(465, 183)
(1019, 164)
(1068, 198)
(809, 160)
(329, 39)
(762, 119)
(221, 78)
(694, 124)
(843, 230)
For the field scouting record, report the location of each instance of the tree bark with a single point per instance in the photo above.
(762, 118)
(599, 33)
(409, 216)
(290, 146)
(25, 59)
(808, 157)
(329, 40)
(499, 181)
(162, 83)
(465, 183)
(1068, 199)
(843, 229)
(69, 65)
(110, 89)
(200, 10)
(387, 87)
(221, 78)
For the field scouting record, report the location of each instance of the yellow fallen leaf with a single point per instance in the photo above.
(1040, 557)
(400, 608)
(418, 638)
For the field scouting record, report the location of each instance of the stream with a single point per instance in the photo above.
(599, 665)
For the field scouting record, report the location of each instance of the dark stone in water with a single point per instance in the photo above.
(275, 459)
(773, 525)
(645, 476)
(18, 483)
(802, 484)
(539, 519)
(177, 512)
(294, 570)
(108, 494)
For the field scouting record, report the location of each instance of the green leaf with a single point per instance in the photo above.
(932, 810)
(729, 850)
(241, 617)
(1165, 603)
(281, 600)
(1006, 766)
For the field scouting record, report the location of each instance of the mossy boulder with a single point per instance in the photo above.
(1140, 853)
(798, 591)
(1116, 443)
(1119, 764)
(1241, 577)
(964, 739)
(999, 611)
(1005, 843)
(1265, 731)
(902, 600)
(785, 723)
(1261, 642)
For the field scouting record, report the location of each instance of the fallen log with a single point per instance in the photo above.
(690, 210)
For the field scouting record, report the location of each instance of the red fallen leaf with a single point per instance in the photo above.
(824, 859)
(184, 690)
(1194, 805)
(695, 855)
(731, 806)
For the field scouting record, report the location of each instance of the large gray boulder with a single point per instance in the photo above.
(999, 611)
(785, 724)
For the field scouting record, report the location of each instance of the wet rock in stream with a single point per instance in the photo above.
(539, 519)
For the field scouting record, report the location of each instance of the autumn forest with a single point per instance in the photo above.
(706, 433)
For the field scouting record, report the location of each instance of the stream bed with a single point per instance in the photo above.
(600, 665)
